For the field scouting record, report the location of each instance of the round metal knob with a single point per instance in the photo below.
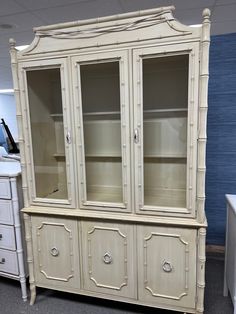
(107, 259)
(54, 251)
(167, 267)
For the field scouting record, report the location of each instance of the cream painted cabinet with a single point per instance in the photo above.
(112, 123)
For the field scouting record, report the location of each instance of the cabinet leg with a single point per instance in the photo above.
(32, 294)
(226, 289)
(23, 289)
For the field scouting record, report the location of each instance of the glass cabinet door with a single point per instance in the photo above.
(50, 137)
(104, 125)
(165, 129)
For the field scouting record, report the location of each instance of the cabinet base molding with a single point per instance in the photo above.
(123, 300)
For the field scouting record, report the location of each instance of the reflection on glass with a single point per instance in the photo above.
(165, 104)
(100, 88)
(45, 105)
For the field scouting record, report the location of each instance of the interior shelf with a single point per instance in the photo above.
(166, 201)
(104, 197)
(102, 156)
(59, 156)
(145, 111)
(165, 156)
(56, 115)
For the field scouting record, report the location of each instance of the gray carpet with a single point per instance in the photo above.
(52, 302)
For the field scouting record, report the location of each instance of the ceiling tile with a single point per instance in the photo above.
(131, 5)
(224, 13)
(82, 10)
(186, 4)
(42, 4)
(225, 2)
(22, 21)
(10, 7)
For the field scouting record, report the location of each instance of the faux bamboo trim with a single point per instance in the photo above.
(13, 53)
(204, 74)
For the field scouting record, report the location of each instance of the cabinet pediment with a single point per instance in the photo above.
(116, 30)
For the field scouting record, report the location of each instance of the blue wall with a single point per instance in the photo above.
(221, 134)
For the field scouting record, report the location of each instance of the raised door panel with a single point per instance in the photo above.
(167, 266)
(108, 258)
(5, 190)
(55, 247)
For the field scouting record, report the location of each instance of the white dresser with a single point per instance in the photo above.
(11, 247)
(230, 253)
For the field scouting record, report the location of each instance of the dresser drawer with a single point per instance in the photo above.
(6, 215)
(7, 237)
(5, 190)
(8, 262)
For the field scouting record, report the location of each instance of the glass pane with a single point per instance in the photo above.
(165, 105)
(45, 104)
(102, 131)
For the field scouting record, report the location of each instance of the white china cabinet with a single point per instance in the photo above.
(112, 121)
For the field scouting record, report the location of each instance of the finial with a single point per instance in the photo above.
(206, 14)
(12, 43)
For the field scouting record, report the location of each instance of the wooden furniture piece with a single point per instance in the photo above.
(230, 250)
(112, 121)
(12, 263)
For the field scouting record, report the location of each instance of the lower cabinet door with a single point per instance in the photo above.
(108, 258)
(55, 250)
(167, 266)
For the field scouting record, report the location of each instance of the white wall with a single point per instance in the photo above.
(8, 113)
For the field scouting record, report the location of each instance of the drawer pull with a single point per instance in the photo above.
(107, 258)
(0, 236)
(166, 266)
(54, 251)
(2, 261)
